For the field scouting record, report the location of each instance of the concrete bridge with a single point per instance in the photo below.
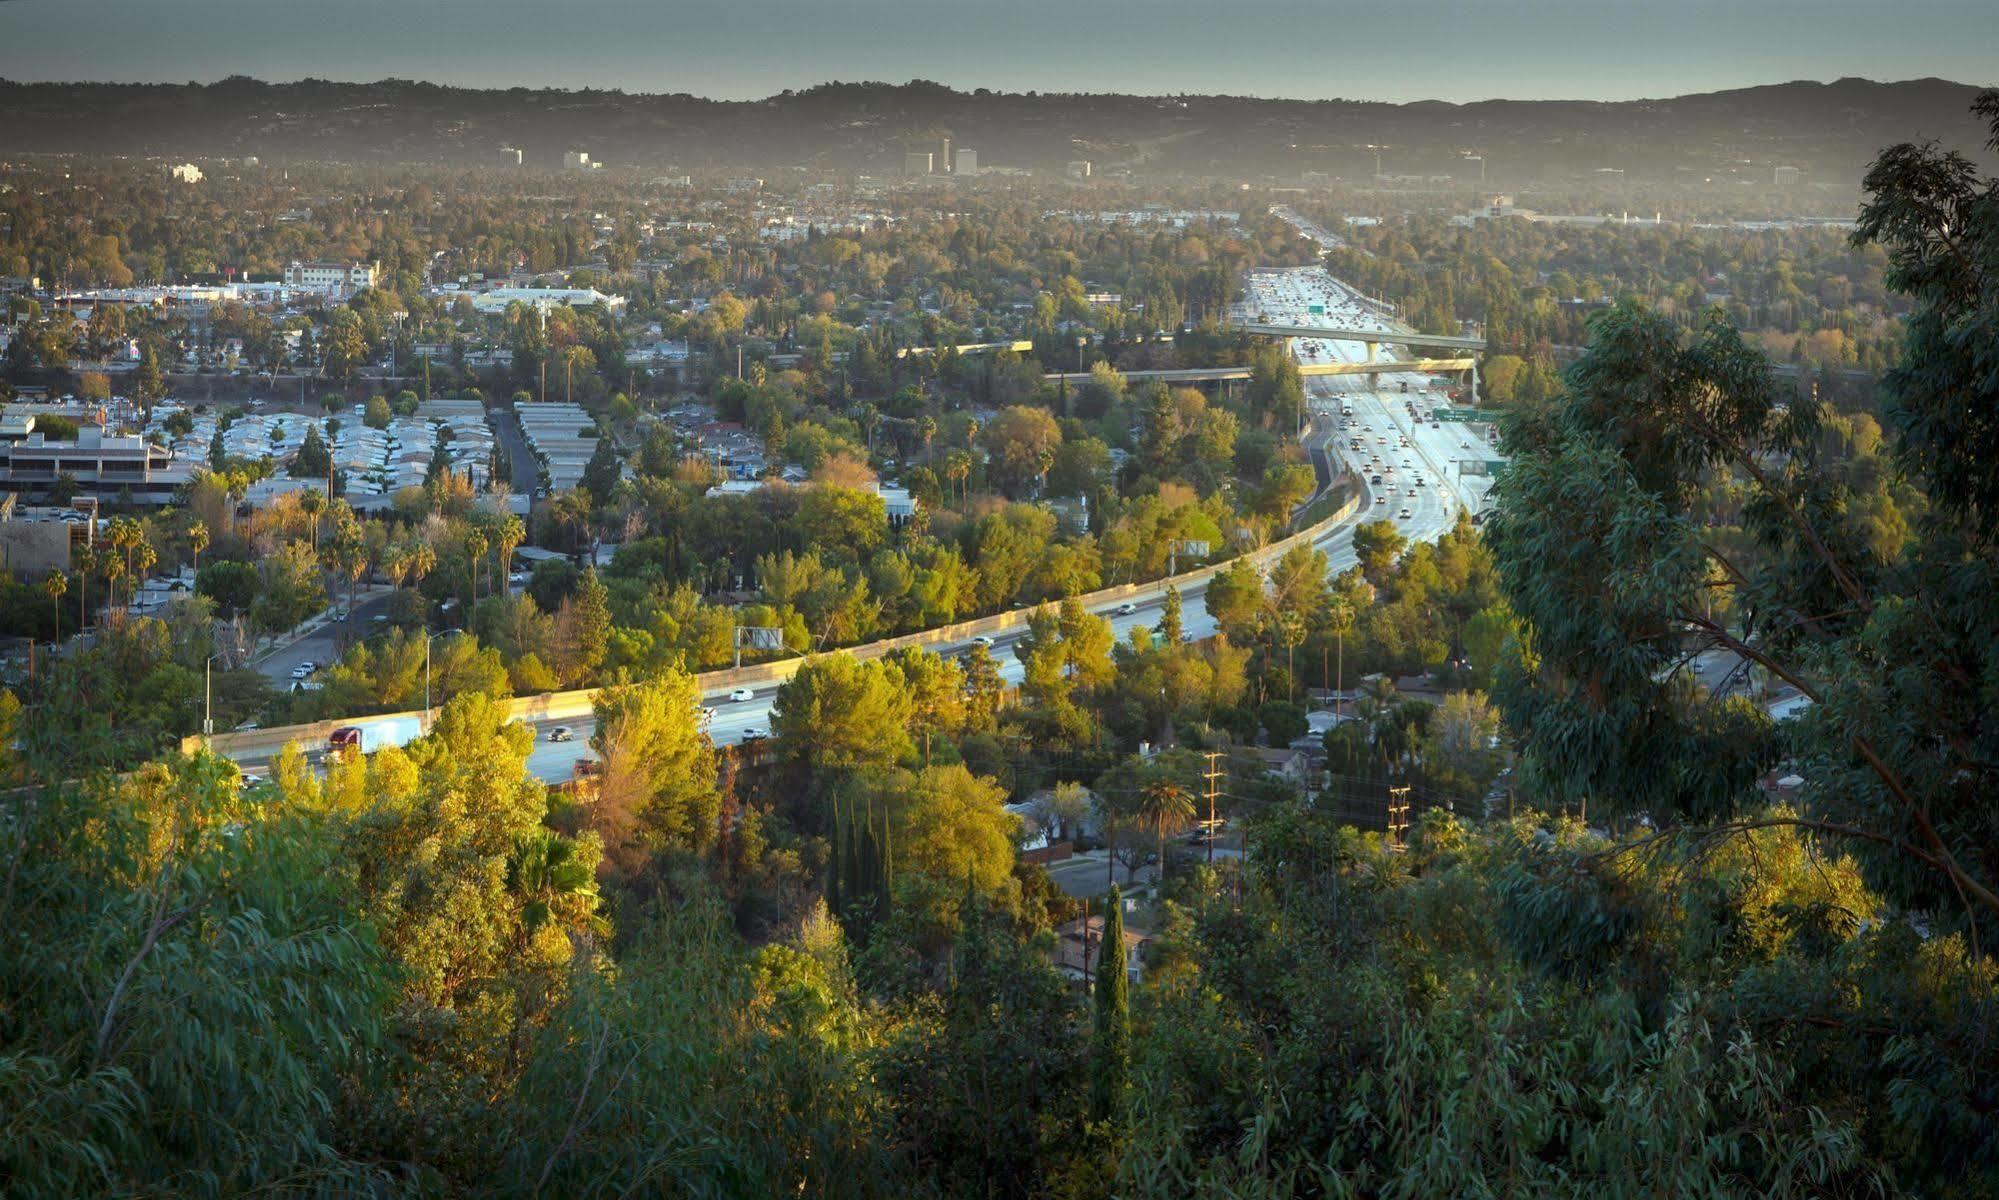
(1209, 374)
(1371, 337)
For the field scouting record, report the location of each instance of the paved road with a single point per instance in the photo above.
(322, 645)
(1379, 415)
(526, 467)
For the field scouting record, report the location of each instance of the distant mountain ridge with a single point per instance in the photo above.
(1828, 130)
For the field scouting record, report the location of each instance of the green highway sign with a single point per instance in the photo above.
(1459, 414)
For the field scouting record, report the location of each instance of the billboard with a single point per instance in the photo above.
(759, 637)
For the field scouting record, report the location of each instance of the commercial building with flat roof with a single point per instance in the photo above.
(100, 464)
(498, 299)
(332, 278)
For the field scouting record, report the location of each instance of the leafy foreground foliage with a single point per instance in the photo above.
(207, 993)
(1621, 578)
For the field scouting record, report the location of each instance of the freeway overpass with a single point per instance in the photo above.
(1434, 366)
(965, 348)
(1370, 337)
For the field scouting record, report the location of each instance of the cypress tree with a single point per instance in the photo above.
(1111, 1023)
(836, 866)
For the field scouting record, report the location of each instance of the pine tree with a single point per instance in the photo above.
(590, 623)
(1111, 1025)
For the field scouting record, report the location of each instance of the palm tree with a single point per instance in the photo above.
(423, 560)
(197, 541)
(312, 502)
(123, 534)
(475, 549)
(1163, 805)
(396, 562)
(1376, 699)
(56, 584)
(113, 568)
(509, 537)
(1340, 618)
(958, 469)
(86, 562)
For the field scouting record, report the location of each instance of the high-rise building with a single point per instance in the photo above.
(576, 160)
(1078, 168)
(916, 162)
(967, 163)
(509, 157)
(944, 157)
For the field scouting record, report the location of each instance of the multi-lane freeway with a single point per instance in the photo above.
(1379, 418)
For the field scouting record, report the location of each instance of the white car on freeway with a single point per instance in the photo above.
(1126, 609)
(983, 640)
(742, 694)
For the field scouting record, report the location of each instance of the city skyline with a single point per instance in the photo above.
(1557, 49)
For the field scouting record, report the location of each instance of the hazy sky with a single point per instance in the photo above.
(1377, 49)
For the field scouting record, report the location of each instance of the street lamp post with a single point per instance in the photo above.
(208, 697)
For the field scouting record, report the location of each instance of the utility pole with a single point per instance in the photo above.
(208, 697)
(1398, 813)
(1212, 775)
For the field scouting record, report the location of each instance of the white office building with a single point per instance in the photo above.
(331, 278)
(967, 163)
